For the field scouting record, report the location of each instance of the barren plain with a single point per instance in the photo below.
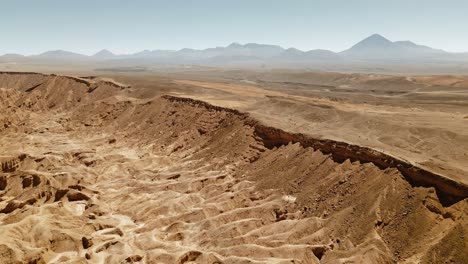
(216, 166)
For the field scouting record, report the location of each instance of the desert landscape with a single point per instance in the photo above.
(233, 132)
(217, 165)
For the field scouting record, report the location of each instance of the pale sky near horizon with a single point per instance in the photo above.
(85, 26)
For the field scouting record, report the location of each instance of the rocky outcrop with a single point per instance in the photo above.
(448, 190)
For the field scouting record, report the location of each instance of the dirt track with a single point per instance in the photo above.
(109, 176)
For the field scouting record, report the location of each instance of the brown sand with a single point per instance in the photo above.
(100, 172)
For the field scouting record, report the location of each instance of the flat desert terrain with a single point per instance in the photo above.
(231, 166)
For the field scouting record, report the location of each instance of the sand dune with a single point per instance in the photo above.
(93, 173)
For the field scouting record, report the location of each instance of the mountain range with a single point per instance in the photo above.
(372, 48)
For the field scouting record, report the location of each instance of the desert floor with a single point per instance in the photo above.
(107, 168)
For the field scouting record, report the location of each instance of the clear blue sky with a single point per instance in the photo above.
(86, 26)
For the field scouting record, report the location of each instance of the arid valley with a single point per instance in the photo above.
(234, 132)
(209, 165)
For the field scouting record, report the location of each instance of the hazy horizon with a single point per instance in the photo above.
(175, 50)
(126, 27)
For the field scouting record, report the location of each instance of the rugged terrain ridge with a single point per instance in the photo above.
(99, 176)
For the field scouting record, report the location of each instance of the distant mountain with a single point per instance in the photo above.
(150, 54)
(11, 57)
(61, 55)
(143, 53)
(256, 50)
(293, 54)
(321, 54)
(232, 51)
(378, 47)
(373, 49)
(104, 54)
(418, 48)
